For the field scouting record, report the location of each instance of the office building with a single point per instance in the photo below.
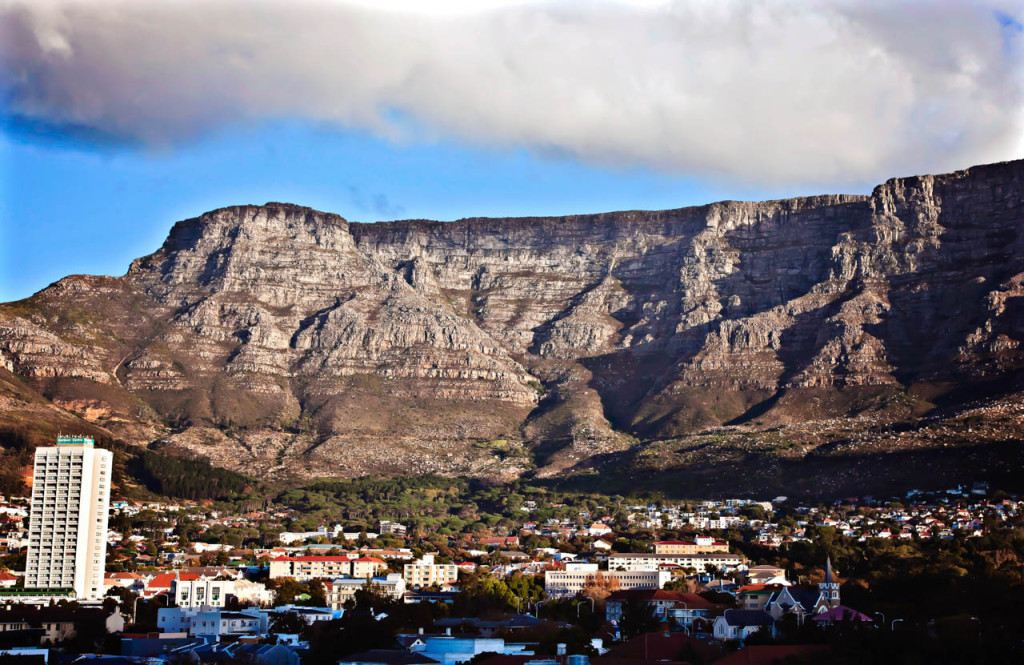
(560, 583)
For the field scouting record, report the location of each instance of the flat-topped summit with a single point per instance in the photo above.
(278, 337)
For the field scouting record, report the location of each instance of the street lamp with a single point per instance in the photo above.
(893, 624)
(883, 616)
(536, 609)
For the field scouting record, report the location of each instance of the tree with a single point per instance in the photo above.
(287, 623)
(637, 617)
(599, 586)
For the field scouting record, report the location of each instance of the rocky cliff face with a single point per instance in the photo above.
(278, 339)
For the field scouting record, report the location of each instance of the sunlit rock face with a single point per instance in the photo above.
(277, 338)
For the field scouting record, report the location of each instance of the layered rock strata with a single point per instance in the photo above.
(306, 341)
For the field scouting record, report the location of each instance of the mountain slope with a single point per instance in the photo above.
(280, 340)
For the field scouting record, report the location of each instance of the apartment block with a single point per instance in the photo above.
(68, 520)
(424, 572)
(305, 568)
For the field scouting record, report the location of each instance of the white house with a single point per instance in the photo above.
(741, 624)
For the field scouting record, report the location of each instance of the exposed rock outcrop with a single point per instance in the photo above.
(307, 341)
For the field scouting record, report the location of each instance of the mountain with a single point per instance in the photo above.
(824, 332)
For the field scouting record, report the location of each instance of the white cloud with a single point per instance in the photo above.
(767, 92)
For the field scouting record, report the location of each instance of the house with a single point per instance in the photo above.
(804, 602)
(598, 529)
(267, 654)
(741, 624)
(56, 624)
(798, 601)
(766, 575)
(684, 609)
(755, 596)
(500, 541)
(134, 582)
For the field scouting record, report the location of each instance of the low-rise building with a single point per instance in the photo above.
(386, 526)
(305, 568)
(684, 609)
(741, 624)
(699, 545)
(199, 592)
(570, 582)
(216, 623)
(424, 572)
(343, 589)
(698, 562)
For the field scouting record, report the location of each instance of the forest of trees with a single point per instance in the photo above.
(185, 478)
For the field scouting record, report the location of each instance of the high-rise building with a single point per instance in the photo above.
(68, 522)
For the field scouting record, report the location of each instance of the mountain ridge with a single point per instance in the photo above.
(280, 340)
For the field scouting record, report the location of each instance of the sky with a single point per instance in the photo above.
(120, 117)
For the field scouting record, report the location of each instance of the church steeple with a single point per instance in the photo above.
(830, 587)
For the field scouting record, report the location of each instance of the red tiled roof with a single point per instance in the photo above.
(161, 581)
(758, 587)
(164, 580)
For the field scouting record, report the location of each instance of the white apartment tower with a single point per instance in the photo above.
(68, 523)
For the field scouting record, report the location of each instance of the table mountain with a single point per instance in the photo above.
(280, 340)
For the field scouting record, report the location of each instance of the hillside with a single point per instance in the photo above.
(809, 337)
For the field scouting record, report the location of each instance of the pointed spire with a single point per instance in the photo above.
(829, 578)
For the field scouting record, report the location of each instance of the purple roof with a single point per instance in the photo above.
(842, 613)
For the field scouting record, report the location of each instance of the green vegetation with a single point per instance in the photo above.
(436, 505)
(184, 478)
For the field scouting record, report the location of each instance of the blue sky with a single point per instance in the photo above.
(118, 118)
(67, 208)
